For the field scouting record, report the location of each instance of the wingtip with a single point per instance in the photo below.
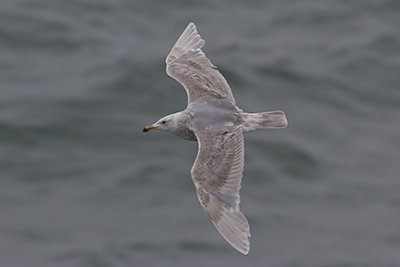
(246, 252)
(192, 26)
(235, 229)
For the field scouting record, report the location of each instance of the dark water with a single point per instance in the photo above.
(81, 185)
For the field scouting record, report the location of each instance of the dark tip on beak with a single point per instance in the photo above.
(149, 128)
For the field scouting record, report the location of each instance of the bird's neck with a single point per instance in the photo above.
(179, 126)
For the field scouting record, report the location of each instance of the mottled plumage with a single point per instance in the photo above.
(213, 119)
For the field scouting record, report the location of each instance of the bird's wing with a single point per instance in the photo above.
(187, 64)
(217, 173)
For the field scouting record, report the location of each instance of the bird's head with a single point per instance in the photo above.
(165, 123)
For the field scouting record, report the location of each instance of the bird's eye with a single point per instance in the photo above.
(163, 122)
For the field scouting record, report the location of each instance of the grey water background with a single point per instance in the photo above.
(81, 185)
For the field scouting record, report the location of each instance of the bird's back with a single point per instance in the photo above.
(210, 114)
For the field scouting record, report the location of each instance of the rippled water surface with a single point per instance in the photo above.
(81, 185)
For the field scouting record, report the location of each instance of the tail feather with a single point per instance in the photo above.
(262, 120)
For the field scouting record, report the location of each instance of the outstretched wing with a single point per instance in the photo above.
(217, 173)
(187, 64)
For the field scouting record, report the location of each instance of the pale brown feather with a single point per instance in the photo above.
(217, 174)
(187, 64)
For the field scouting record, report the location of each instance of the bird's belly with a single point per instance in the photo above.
(211, 114)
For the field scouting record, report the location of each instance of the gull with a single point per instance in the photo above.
(213, 120)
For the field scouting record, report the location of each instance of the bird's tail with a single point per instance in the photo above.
(262, 120)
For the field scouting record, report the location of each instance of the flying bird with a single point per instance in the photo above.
(213, 120)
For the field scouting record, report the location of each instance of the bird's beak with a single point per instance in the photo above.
(149, 127)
